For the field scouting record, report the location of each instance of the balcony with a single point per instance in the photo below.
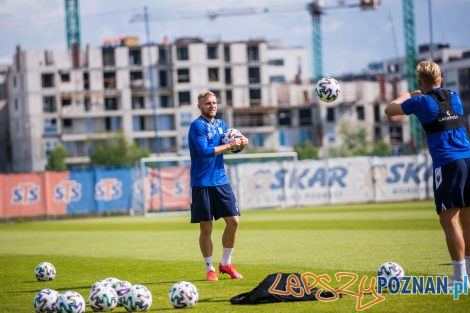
(109, 83)
(137, 85)
(252, 120)
(51, 130)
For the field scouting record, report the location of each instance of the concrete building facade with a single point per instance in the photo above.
(79, 99)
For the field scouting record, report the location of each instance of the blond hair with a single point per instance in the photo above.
(429, 73)
(204, 94)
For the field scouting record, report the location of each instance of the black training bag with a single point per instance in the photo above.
(261, 293)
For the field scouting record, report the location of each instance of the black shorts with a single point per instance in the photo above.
(213, 202)
(451, 185)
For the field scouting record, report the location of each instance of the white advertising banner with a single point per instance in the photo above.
(313, 182)
(332, 181)
(266, 184)
(350, 180)
(402, 178)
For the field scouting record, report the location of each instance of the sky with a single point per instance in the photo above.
(351, 38)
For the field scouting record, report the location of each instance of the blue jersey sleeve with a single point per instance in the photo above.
(198, 135)
(408, 105)
(423, 106)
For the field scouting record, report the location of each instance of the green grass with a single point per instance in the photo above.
(158, 251)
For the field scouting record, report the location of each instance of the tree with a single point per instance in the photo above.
(306, 150)
(56, 160)
(355, 143)
(381, 148)
(116, 152)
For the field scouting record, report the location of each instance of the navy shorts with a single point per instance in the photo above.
(213, 202)
(452, 185)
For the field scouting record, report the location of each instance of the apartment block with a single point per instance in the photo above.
(81, 98)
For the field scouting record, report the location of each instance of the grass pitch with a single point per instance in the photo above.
(158, 251)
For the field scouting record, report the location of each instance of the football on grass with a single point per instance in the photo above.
(183, 294)
(45, 271)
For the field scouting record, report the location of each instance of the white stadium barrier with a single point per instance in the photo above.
(280, 180)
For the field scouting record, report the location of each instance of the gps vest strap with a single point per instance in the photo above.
(447, 118)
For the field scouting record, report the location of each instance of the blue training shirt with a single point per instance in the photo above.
(445, 146)
(206, 168)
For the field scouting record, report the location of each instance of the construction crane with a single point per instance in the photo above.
(316, 9)
(72, 18)
(72, 23)
(416, 131)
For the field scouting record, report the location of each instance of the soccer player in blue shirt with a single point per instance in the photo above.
(441, 115)
(211, 194)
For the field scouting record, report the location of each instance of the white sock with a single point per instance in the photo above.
(467, 264)
(459, 269)
(208, 263)
(226, 256)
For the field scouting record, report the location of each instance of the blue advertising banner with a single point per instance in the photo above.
(81, 184)
(113, 189)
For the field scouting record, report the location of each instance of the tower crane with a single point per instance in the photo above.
(416, 131)
(72, 23)
(316, 10)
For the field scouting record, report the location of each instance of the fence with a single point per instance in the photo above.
(257, 185)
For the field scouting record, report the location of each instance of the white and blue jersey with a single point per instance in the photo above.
(444, 146)
(206, 168)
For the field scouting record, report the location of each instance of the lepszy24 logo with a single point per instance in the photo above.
(25, 193)
(108, 189)
(407, 285)
(67, 191)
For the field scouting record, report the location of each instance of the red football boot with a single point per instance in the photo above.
(230, 269)
(211, 276)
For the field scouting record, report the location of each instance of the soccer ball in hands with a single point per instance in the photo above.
(45, 301)
(103, 299)
(45, 271)
(183, 295)
(327, 89)
(70, 302)
(229, 135)
(139, 298)
(389, 270)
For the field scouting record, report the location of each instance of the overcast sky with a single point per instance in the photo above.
(351, 38)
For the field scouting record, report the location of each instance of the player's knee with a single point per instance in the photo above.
(206, 233)
(232, 222)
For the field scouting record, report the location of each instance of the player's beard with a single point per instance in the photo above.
(209, 114)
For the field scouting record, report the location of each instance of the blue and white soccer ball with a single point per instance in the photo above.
(138, 299)
(101, 284)
(70, 302)
(45, 271)
(327, 89)
(229, 135)
(113, 281)
(45, 301)
(122, 288)
(389, 270)
(183, 294)
(103, 299)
